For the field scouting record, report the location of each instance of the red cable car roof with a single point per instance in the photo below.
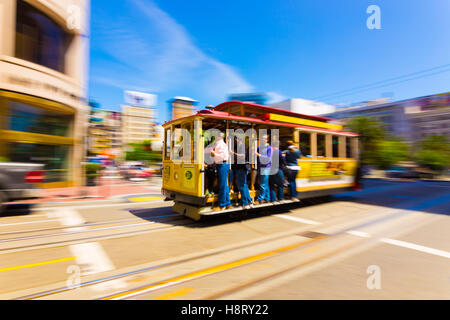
(228, 116)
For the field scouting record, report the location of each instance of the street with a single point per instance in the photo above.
(388, 241)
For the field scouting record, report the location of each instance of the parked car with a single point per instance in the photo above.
(402, 172)
(18, 180)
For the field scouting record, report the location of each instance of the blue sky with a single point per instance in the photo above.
(288, 49)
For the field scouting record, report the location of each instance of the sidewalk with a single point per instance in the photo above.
(106, 189)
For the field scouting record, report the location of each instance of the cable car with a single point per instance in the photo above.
(329, 162)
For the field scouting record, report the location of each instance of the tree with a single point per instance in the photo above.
(434, 153)
(371, 132)
(142, 151)
(390, 152)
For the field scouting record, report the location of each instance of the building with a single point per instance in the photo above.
(258, 98)
(43, 69)
(138, 117)
(429, 115)
(136, 124)
(181, 107)
(304, 106)
(410, 119)
(105, 134)
(158, 137)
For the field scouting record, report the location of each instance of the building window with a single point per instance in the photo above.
(39, 39)
(26, 118)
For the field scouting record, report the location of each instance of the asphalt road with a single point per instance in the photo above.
(389, 241)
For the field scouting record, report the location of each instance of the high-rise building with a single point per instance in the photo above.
(181, 107)
(138, 117)
(43, 70)
(136, 124)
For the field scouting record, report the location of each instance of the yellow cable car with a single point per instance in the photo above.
(329, 163)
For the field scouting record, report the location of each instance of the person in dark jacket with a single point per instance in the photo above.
(264, 154)
(276, 178)
(292, 154)
(241, 167)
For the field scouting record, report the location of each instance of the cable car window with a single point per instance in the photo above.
(168, 144)
(348, 147)
(320, 145)
(305, 144)
(335, 146)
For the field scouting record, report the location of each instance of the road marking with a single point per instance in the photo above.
(306, 221)
(37, 264)
(208, 271)
(78, 206)
(174, 294)
(417, 247)
(27, 222)
(359, 233)
(93, 259)
(68, 217)
(404, 244)
(144, 199)
(90, 256)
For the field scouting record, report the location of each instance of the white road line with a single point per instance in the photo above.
(359, 233)
(68, 217)
(403, 244)
(417, 247)
(93, 259)
(301, 220)
(28, 222)
(79, 206)
(90, 256)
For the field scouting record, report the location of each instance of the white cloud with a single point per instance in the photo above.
(274, 97)
(149, 49)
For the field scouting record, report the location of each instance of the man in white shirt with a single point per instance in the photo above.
(221, 158)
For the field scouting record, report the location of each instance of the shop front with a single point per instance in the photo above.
(37, 130)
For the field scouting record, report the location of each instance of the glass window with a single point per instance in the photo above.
(188, 142)
(32, 119)
(168, 144)
(39, 39)
(320, 145)
(178, 151)
(305, 144)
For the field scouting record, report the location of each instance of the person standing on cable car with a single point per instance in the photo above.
(264, 154)
(276, 178)
(221, 158)
(241, 166)
(292, 154)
